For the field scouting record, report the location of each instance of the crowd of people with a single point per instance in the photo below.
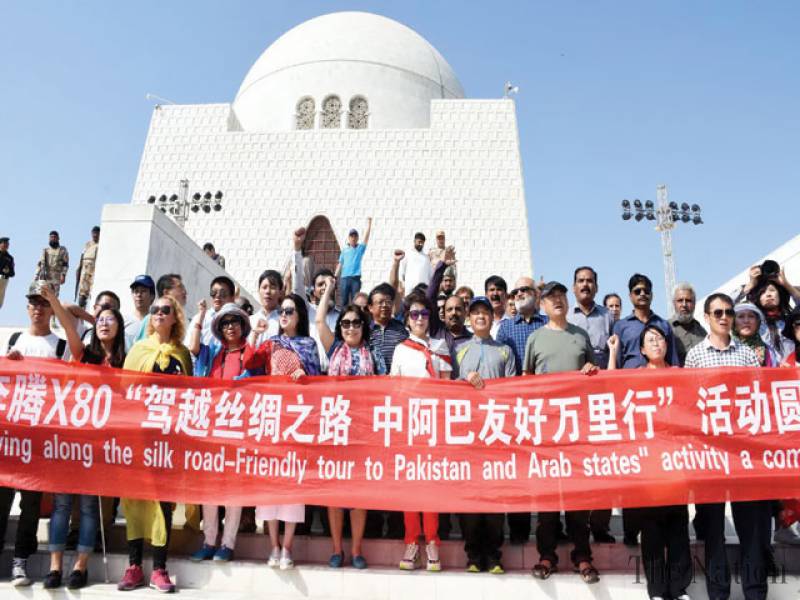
(419, 323)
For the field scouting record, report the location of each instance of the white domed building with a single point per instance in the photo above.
(345, 116)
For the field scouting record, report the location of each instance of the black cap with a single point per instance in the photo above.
(553, 286)
(54, 232)
(4, 239)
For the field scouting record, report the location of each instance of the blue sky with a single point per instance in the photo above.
(615, 97)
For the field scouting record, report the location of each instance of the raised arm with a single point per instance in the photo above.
(67, 322)
(194, 335)
(298, 270)
(368, 231)
(394, 272)
(325, 334)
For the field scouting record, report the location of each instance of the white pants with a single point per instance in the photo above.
(3, 284)
(211, 524)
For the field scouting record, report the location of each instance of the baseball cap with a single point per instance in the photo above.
(35, 289)
(553, 286)
(480, 300)
(440, 233)
(4, 239)
(144, 280)
(353, 232)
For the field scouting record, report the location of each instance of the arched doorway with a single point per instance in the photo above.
(321, 244)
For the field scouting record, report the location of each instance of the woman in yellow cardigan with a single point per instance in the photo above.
(162, 351)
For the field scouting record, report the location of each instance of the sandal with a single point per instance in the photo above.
(543, 571)
(589, 574)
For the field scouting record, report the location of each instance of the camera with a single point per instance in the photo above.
(770, 268)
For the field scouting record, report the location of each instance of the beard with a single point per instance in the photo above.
(525, 305)
(54, 245)
(684, 318)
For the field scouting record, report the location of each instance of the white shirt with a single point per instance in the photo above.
(205, 332)
(133, 327)
(39, 346)
(411, 362)
(415, 268)
(330, 320)
(495, 327)
(272, 325)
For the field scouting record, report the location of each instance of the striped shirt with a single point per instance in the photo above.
(385, 339)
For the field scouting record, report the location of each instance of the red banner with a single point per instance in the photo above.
(619, 438)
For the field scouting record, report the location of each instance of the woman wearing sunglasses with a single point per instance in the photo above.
(421, 356)
(349, 354)
(665, 529)
(293, 353)
(106, 347)
(162, 351)
(224, 359)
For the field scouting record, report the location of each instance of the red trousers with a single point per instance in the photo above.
(430, 526)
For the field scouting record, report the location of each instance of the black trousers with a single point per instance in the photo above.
(483, 536)
(666, 555)
(547, 528)
(136, 547)
(753, 521)
(30, 504)
(600, 520)
(519, 526)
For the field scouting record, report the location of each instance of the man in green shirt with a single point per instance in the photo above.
(560, 346)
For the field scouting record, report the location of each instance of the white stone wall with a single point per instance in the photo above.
(463, 175)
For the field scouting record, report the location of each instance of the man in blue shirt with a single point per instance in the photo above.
(515, 331)
(628, 329)
(349, 267)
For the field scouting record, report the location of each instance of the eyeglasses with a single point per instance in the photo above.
(720, 312)
(287, 311)
(640, 291)
(105, 321)
(351, 323)
(163, 309)
(36, 303)
(219, 293)
(525, 289)
(383, 302)
(416, 315)
(655, 340)
(230, 323)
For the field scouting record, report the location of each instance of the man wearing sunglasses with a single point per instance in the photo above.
(514, 332)
(222, 291)
(751, 519)
(38, 341)
(630, 328)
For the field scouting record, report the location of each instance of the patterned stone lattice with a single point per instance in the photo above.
(357, 117)
(331, 113)
(462, 174)
(304, 118)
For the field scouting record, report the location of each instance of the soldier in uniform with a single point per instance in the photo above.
(54, 263)
(6, 267)
(85, 275)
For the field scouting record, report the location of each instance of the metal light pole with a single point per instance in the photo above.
(666, 215)
(178, 205)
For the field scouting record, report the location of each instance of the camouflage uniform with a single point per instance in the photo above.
(53, 266)
(86, 272)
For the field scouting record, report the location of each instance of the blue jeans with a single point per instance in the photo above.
(59, 522)
(350, 287)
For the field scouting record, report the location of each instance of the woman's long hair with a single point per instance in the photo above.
(302, 315)
(97, 351)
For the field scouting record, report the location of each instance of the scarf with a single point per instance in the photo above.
(341, 362)
(148, 352)
(758, 346)
(420, 347)
(305, 348)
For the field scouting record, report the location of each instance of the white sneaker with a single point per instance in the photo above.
(286, 561)
(683, 597)
(19, 573)
(432, 552)
(274, 558)
(409, 561)
(788, 535)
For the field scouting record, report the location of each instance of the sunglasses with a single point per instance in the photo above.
(163, 309)
(640, 291)
(288, 311)
(230, 323)
(525, 289)
(720, 312)
(351, 323)
(219, 293)
(105, 321)
(419, 314)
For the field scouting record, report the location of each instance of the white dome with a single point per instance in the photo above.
(346, 54)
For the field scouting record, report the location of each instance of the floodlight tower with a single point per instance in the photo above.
(666, 216)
